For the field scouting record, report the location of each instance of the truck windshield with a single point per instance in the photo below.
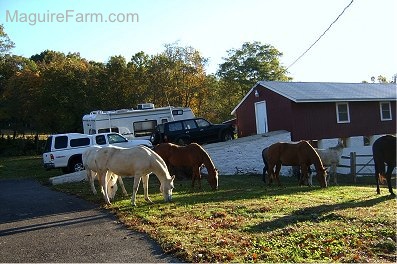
(115, 138)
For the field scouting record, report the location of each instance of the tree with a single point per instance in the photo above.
(6, 45)
(244, 67)
(251, 63)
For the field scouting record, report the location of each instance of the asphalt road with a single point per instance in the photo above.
(38, 224)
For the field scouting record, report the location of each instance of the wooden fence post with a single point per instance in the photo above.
(353, 165)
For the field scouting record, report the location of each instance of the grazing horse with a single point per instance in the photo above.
(384, 152)
(88, 158)
(138, 162)
(302, 154)
(192, 155)
(331, 157)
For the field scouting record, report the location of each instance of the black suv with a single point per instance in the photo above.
(196, 130)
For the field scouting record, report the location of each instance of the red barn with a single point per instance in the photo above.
(318, 110)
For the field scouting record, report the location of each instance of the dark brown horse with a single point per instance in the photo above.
(192, 155)
(384, 152)
(297, 154)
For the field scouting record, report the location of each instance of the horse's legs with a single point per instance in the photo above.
(196, 174)
(390, 168)
(377, 172)
(304, 175)
(91, 179)
(103, 177)
(137, 180)
(333, 173)
(122, 186)
(264, 173)
(277, 173)
(310, 177)
(146, 187)
(270, 172)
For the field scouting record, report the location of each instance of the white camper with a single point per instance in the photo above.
(133, 123)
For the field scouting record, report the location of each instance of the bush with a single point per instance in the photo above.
(20, 146)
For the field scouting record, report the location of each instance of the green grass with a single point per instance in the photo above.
(245, 221)
(25, 167)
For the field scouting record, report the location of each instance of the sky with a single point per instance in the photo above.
(361, 44)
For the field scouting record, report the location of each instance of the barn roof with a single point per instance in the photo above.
(317, 92)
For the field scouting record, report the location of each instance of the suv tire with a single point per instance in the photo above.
(182, 141)
(226, 136)
(76, 164)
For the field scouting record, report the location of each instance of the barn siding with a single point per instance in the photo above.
(312, 121)
(278, 112)
(318, 121)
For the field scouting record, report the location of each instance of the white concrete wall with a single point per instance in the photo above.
(244, 155)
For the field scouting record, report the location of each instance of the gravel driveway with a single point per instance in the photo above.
(41, 225)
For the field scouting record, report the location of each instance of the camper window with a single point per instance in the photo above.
(177, 112)
(107, 130)
(144, 128)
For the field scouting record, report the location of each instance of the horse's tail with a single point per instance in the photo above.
(264, 151)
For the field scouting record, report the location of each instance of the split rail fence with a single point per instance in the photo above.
(354, 165)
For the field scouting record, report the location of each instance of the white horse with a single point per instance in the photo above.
(88, 158)
(138, 162)
(330, 158)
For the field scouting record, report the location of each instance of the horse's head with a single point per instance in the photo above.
(112, 186)
(166, 188)
(322, 177)
(213, 179)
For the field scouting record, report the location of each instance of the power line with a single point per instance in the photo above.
(311, 46)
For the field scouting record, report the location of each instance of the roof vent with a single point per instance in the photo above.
(145, 106)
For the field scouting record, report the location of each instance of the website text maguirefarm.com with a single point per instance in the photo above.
(69, 16)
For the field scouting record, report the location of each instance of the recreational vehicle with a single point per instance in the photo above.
(132, 123)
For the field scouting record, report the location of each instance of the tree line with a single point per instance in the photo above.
(51, 91)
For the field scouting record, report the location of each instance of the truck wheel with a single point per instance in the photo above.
(182, 141)
(226, 136)
(76, 165)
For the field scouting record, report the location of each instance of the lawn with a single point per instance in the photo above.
(246, 221)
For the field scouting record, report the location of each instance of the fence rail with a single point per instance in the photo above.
(353, 164)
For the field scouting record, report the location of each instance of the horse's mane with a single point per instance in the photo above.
(157, 160)
(206, 159)
(315, 158)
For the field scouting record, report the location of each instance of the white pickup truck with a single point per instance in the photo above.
(64, 150)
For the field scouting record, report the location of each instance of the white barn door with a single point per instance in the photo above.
(261, 117)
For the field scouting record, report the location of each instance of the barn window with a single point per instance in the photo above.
(385, 111)
(342, 113)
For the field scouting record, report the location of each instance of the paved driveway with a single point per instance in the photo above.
(41, 225)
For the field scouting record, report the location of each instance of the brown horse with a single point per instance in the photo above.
(299, 154)
(384, 152)
(192, 155)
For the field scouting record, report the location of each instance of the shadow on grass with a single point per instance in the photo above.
(315, 214)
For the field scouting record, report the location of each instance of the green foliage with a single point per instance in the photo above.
(6, 45)
(244, 67)
(51, 91)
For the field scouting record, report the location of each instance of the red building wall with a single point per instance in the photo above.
(308, 121)
(278, 112)
(318, 121)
